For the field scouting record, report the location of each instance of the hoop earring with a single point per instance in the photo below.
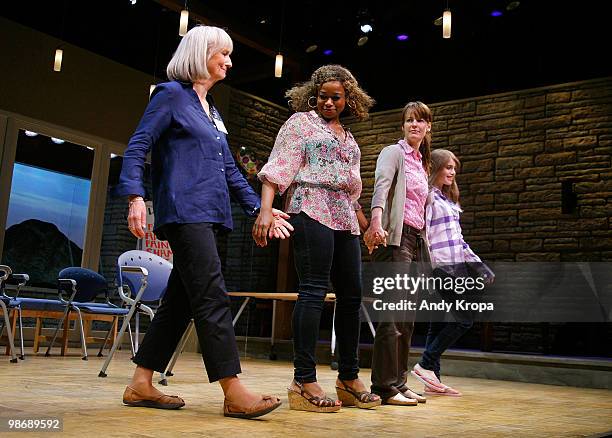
(308, 102)
(353, 106)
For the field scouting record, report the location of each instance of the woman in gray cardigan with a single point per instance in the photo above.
(398, 220)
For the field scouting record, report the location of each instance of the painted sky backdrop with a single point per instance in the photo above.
(51, 197)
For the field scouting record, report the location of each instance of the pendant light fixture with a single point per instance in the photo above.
(446, 22)
(57, 62)
(278, 64)
(59, 51)
(184, 21)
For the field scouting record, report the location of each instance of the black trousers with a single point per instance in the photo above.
(196, 289)
(392, 340)
(323, 255)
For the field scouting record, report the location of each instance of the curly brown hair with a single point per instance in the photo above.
(357, 100)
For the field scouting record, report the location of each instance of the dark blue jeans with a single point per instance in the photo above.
(323, 255)
(441, 335)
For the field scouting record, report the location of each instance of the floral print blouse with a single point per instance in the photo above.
(319, 170)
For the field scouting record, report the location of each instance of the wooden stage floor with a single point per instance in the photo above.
(69, 388)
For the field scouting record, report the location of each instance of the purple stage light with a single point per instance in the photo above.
(328, 52)
(402, 37)
(496, 13)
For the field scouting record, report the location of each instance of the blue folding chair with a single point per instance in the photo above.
(145, 277)
(84, 285)
(15, 302)
(7, 303)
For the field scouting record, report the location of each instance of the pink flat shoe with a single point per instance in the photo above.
(448, 391)
(430, 382)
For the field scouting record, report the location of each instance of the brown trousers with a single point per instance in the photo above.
(392, 340)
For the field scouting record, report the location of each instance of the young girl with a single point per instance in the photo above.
(450, 253)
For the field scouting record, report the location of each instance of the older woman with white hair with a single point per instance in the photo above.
(193, 173)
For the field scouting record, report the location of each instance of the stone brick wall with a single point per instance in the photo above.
(252, 123)
(516, 150)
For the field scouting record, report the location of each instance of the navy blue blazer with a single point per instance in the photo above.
(192, 169)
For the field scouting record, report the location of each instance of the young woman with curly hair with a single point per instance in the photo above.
(316, 160)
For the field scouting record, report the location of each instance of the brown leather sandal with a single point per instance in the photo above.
(305, 401)
(267, 404)
(362, 399)
(131, 397)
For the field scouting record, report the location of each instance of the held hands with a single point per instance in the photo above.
(137, 217)
(375, 236)
(281, 229)
(362, 220)
(271, 224)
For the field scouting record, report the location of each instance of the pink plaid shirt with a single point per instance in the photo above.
(416, 187)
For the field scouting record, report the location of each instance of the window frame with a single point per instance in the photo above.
(10, 125)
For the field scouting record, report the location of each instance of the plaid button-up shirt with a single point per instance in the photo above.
(444, 231)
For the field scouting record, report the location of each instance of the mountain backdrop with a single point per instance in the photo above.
(39, 249)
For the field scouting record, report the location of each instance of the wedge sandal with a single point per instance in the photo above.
(363, 399)
(305, 401)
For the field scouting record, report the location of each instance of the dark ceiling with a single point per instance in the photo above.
(538, 43)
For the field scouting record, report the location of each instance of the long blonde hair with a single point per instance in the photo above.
(439, 159)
